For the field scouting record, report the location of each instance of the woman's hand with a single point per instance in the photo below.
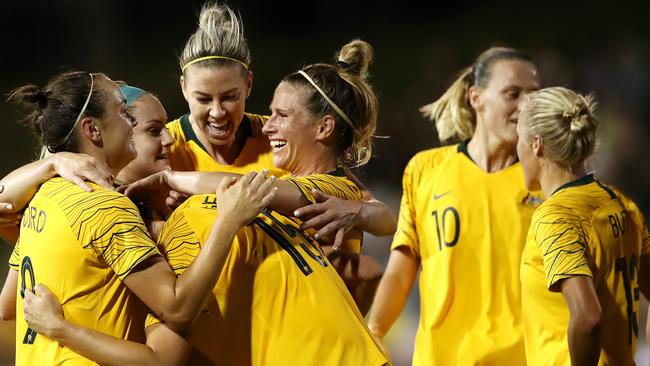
(154, 185)
(79, 168)
(7, 215)
(152, 191)
(244, 198)
(330, 215)
(43, 313)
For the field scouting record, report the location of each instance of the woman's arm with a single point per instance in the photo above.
(177, 300)
(584, 323)
(330, 215)
(8, 296)
(333, 215)
(21, 185)
(44, 314)
(287, 199)
(393, 290)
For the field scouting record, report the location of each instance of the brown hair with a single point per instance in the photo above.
(54, 109)
(345, 82)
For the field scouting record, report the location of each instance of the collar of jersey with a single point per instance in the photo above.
(589, 178)
(462, 148)
(339, 172)
(188, 131)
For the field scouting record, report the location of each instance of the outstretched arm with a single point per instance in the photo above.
(286, 200)
(21, 185)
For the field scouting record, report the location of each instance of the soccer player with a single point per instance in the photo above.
(91, 248)
(588, 250)
(277, 287)
(463, 218)
(218, 135)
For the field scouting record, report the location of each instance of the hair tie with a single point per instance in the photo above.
(567, 116)
(328, 100)
(343, 64)
(212, 58)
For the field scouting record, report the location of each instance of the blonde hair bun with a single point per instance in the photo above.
(566, 122)
(355, 58)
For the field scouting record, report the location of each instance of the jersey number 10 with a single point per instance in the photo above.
(448, 216)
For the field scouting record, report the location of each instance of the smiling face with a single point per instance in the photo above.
(497, 103)
(292, 130)
(216, 97)
(151, 138)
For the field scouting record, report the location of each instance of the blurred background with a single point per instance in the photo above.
(591, 47)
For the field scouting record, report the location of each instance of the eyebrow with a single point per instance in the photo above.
(209, 95)
(154, 120)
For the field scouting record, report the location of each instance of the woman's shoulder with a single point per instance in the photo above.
(434, 156)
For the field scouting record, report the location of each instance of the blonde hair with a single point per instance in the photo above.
(346, 84)
(452, 113)
(565, 121)
(220, 33)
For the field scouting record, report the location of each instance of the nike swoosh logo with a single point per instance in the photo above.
(438, 196)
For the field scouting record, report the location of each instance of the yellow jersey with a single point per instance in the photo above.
(584, 229)
(468, 229)
(278, 300)
(81, 245)
(189, 154)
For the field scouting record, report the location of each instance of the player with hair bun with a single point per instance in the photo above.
(92, 248)
(588, 249)
(276, 287)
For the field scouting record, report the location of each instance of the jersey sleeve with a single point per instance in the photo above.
(406, 234)
(14, 259)
(179, 242)
(331, 185)
(110, 224)
(645, 235)
(563, 242)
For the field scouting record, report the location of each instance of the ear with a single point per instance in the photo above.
(183, 87)
(475, 97)
(538, 146)
(249, 84)
(325, 128)
(90, 128)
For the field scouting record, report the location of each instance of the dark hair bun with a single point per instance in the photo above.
(30, 94)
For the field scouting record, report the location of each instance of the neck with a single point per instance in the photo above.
(89, 148)
(223, 154)
(490, 153)
(317, 165)
(553, 176)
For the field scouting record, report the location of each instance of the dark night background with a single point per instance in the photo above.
(419, 48)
